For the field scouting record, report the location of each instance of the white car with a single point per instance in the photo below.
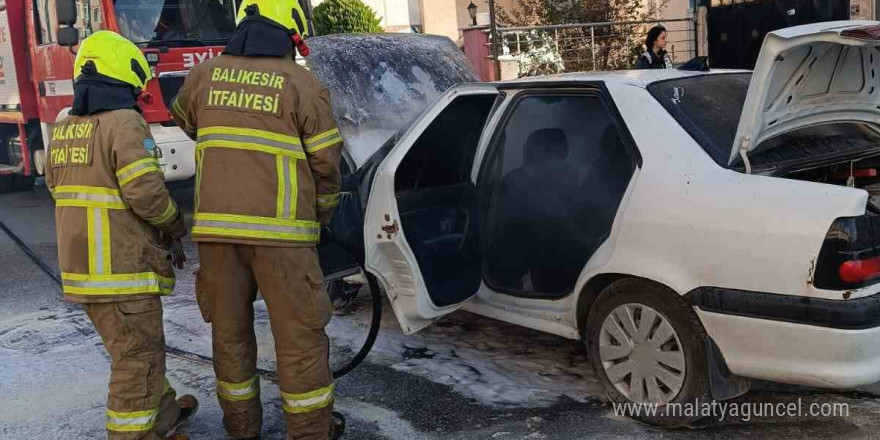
(696, 228)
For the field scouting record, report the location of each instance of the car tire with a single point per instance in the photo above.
(15, 182)
(7, 183)
(24, 183)
(671, 367)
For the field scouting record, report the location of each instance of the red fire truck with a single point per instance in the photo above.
(36, 72)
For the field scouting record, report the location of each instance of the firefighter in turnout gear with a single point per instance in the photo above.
(267, 178)
(113, 215)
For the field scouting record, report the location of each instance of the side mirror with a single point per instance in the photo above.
(68, 36)
(65, 10)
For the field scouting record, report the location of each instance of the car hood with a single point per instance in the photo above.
(813, 74)
(379, 84)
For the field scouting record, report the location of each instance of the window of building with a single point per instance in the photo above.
(44, 21)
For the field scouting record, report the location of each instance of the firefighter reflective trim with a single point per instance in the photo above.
(131, 421)
(243, 226)
(287, 188)
(169, 214)
(175, 108)
(89, 197)
(328, 200)
(250, 139)
(308, 402)
(323, 140)
(118, 284)
(168, 387)
(137, 169)
(200, 159)
(98, 221)
(237, 392)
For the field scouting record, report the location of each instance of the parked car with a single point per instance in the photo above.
(695, 228)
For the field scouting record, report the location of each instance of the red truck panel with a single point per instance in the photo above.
(174, 60)
(14, 32)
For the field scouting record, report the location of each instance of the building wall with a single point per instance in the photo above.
(441, 18)
(448, 17)
(863, 9)
(464, 19)
(396, 15)
(680, 38)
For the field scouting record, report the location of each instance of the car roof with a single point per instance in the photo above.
(638, 78)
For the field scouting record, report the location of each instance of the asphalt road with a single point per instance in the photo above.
(466, 377)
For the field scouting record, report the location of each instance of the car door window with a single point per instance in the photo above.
(550, 190)
(444, 154)
(90, 18)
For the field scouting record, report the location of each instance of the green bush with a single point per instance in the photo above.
(345, 17)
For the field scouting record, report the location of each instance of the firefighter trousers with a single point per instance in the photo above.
(141, 404)
(291, 284)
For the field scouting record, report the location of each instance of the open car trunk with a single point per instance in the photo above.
(845, 154)
(818, 74)
(379, 84)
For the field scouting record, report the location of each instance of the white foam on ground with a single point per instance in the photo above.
(493, 362)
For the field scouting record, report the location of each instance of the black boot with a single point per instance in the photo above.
(188, 407)
(337, 426)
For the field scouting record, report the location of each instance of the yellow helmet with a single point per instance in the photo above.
(285, 13)
(114, 57)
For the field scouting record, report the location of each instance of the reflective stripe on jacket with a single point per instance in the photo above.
(110, 203)
(267, 151)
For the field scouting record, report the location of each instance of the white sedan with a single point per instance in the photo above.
(696, 228)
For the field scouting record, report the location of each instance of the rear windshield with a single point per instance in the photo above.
(708, 107)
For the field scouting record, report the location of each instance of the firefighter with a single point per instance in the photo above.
(267, 177)
(112, 213)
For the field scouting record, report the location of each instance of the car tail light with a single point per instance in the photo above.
(858, 271)
(850, 255)
(863, 33)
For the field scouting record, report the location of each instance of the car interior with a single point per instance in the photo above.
(437, 201)
(552, 186)
(555, 176)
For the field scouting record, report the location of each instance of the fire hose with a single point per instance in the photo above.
(375, 324)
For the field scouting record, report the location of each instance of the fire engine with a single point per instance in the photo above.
(37, 49)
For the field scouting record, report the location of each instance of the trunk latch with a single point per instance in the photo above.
(744, 153)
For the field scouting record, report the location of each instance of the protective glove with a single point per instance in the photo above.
(177, 228)
(178, 257)
(171, 236)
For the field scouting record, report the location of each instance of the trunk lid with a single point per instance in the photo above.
(807, 75)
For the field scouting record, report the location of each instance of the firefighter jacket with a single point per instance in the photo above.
(267, 151)
(110, 203)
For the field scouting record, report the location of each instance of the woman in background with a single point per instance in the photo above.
(656, 56)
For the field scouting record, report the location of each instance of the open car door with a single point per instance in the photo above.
(378, 85)
(421, 223)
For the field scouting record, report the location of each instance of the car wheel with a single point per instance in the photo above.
(15, 182)
(646, 346)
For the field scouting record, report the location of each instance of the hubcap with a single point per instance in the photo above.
(641, 354)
